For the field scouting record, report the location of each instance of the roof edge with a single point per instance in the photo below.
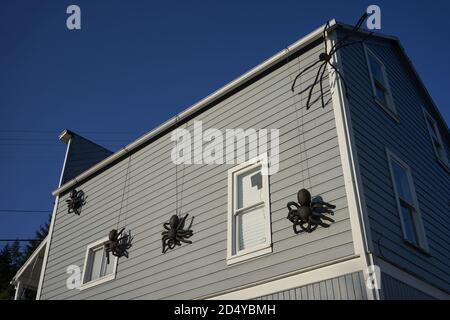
(29, 260)
(309, 38)
(304, 41)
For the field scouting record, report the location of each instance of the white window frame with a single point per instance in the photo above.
(417, 216)
(389, 106)
(444, 162)
(234, 256)
(106, 278)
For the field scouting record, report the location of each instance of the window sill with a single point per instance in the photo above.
(444, 165)
(387, 110)
(97, 282)
(416, 247)
(254, 253)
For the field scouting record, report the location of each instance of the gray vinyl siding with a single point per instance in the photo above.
(374, 130)
(308, 160)
(393, 289)
(82, 155)
(346, 287)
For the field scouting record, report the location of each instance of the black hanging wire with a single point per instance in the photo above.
(300, 133)
(324, 61)
(179, 197)
(176, 170)
(124, 189)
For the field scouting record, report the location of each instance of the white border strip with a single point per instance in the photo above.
(299, 280)
(359, 220)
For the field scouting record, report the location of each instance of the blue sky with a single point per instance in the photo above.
(136, 63)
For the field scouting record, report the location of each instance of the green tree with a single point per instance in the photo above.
(40, 235)
(10, 261)
(12, 258)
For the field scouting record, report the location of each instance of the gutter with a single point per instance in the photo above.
(314, 35)
(198, 106)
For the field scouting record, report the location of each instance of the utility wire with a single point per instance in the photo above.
(18, 240)
(24, 211)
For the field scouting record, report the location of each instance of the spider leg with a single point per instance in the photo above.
(353, 31)
(326, 218)
(185, 241)
(342, 78)
(325, 29)
(313, 85)
(190, 225)
(181, 224)
(187, 236)
(353, 42)
(302, 72)
(321, 87)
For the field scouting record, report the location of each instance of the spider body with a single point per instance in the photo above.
(175, 233)
(76, 201)
(307, 214)
(325, 60)
(117, 244)
(324, 56)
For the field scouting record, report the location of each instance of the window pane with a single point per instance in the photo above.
(409, 225)
(380, 93)
(377, 70)
(401, 182)
(108, 268)
(249, 188)
(96, 263)
(251, 228)
(432, 128)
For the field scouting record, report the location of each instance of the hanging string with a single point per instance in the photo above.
(176, 169)
(182, 180)
(300, 130)
(123, 192)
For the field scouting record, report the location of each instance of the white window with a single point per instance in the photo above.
(249, 227)
(407, 205)
(436, 139)
(380, 84)
(97, 270)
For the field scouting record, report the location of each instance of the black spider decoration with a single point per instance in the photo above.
(308, 214)
(175, 233)
(117, 244)
(76, 201)
(325, 57)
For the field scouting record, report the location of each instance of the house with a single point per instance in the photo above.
(379, 154)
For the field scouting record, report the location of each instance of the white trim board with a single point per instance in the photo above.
(92, 283)
(295, 281)
(359, 220)
(52, 224)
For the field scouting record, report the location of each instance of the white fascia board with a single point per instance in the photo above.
(287, 282)
(280, 56)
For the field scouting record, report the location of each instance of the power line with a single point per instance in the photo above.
(18, 240)
(23, 211)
